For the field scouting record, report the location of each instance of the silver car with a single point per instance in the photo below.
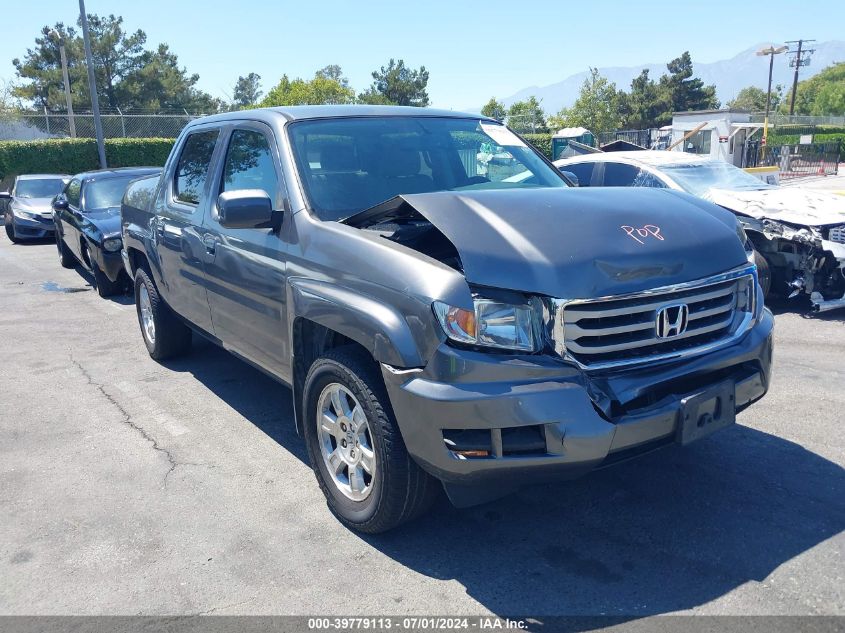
(29, 214)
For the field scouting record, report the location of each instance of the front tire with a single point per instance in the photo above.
(164, 334)
(66, 258)
(105, 286)
(369, 480)
(764, 273)
(10, 227)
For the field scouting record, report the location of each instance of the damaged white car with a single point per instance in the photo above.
(799, 234)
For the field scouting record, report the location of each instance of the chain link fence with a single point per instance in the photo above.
(32, 125)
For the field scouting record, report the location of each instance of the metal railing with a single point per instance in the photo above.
(795, 161)
(32, 125)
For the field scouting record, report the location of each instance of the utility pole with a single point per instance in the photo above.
(68, 99)
(798, 61)
(771, 51)
(92, 86)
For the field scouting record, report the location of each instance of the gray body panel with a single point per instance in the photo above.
(247, 289)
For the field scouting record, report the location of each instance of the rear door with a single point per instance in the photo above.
(245, 268)
(180, 206)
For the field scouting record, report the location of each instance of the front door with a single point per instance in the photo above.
(245, 268)
(180, 205)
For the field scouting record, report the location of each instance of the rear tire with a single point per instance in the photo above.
(394, 489)
(66, 258)
(164, 334)
(105, 286)
(10, 229)
(764, 273)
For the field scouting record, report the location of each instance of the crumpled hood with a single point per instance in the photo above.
(575, 243)
(794, 205)
(34, 205)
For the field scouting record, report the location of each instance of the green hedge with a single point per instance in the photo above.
(543, 142)
(792, 139)
(74, 155)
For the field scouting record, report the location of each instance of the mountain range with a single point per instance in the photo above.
(729, 75)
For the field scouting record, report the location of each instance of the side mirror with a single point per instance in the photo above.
(60, 202)
(571, 177)
(5, 195)
(245, 209)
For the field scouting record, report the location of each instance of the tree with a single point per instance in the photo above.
(41, 72)
(334, 72)
(822, 94)
(247, 91)
(682, 92)
(494, 109)
(115, 53)
(527, 117)
(641, 107)
(753, 99)
(128, 76)
(596, 108)
(8, 101)
(398, 85)
(161, 84)
(320, 90)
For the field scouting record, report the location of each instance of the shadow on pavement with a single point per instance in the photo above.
(670, 531)
(263, 401)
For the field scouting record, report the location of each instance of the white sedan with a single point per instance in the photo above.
(799, 233)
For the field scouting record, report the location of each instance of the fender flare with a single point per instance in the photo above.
(378, 327)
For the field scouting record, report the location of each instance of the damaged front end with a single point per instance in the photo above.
(803, 260)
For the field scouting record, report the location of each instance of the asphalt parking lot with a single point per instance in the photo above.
(130, 487)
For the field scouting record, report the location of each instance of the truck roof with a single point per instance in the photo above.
(299, 113)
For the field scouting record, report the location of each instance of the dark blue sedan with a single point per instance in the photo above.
(87, 220)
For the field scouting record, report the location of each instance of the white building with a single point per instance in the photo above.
(720, 134)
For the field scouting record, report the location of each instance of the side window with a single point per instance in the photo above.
(192, 169)
(647, 179)
(583, 172)
(249, 164)
(619, 175)
(73, 192)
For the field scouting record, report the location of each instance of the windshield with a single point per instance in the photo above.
(351, 164)
(39, 188)
(698, 179)
(101, 194)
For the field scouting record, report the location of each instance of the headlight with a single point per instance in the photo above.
(112, 244)
(26, 215)
(492, 324)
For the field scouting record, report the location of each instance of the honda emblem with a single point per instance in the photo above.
(672, 321)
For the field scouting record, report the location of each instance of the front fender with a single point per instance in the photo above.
(378, 327)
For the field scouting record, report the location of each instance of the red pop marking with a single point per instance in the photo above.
(640, 234)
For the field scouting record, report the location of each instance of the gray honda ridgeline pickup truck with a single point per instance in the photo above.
(444, 305)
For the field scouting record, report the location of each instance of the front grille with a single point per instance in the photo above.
(837, 234)
(620, 330)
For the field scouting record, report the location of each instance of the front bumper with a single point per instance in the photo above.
(110, 262)
(583, 421)
(25, 228)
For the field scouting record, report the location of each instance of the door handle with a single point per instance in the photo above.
(210, 243)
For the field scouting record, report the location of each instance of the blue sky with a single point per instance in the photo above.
(473, 50)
